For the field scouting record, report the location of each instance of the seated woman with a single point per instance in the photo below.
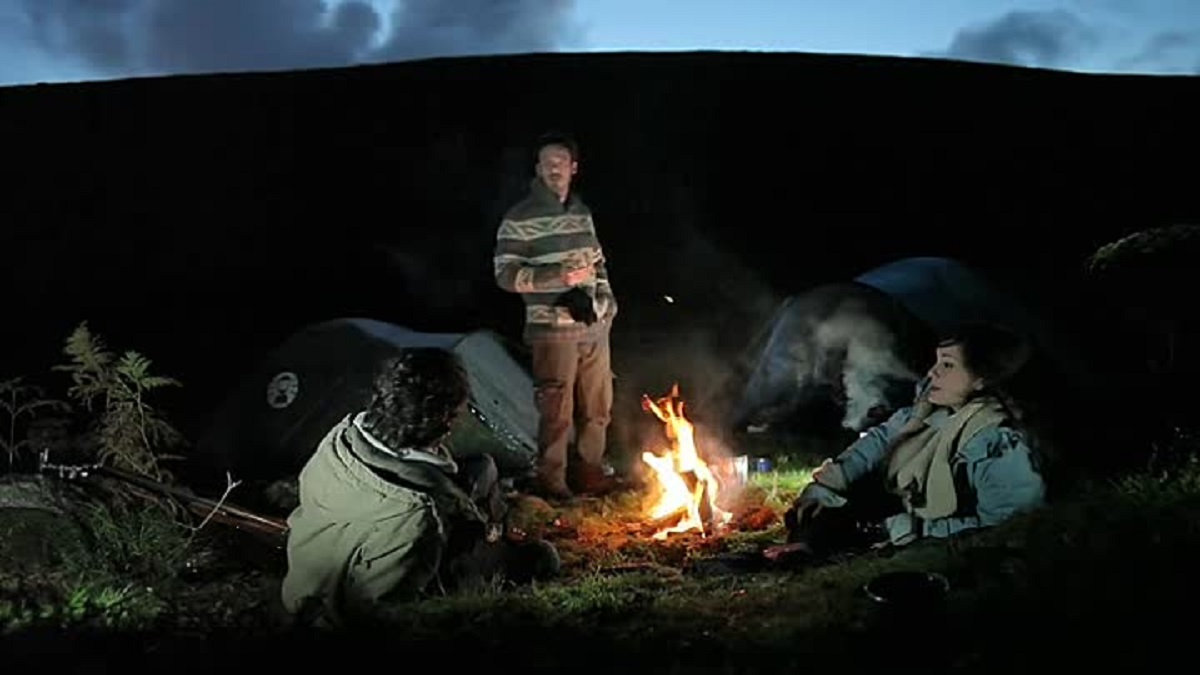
(959, 458)
(387, 515)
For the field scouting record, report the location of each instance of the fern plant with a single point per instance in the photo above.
(19, 401)
(129, 431)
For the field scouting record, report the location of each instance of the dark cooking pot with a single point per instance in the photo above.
(908, 592)
(908, 607)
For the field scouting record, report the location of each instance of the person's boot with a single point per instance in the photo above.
(591, 479)
(550, 489)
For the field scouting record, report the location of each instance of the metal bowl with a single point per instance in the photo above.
(907, 589)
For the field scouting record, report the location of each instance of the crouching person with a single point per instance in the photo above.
(960, 458)
(387, 516)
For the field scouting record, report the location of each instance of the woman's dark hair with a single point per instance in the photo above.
(416, 397)
(990, 351)
(1007, 362)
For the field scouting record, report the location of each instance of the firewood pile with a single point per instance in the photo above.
(615, 533)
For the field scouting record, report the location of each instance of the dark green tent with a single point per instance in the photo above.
(271, 423)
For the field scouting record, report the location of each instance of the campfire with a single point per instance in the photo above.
(688, 488)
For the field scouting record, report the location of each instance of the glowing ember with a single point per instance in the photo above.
(687, 485)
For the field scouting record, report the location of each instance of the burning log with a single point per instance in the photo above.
(688, 488)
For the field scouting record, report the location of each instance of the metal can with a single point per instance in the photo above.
(762, 465)
(741, 468)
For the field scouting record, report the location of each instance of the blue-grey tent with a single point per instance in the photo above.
(942, 293)
(864, 344)
(272, 421)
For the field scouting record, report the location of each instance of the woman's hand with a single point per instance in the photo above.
(830, 475)
(781, 551)
(812, 500)
(807, 509)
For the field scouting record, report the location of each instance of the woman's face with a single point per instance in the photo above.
(950, 383)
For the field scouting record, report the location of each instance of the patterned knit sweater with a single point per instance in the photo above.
(540, 238)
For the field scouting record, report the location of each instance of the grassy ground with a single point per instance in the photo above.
(1102, 577)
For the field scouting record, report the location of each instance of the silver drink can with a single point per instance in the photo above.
(741, 468)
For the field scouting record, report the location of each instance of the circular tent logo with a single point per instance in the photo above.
(282, 390)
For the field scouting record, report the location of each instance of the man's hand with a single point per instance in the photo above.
(578, 276)
(579, 304)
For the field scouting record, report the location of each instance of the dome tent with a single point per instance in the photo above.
(864, 344)
(271, 423)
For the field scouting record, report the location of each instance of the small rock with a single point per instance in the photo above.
(531, 515)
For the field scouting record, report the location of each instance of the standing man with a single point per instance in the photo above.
(547, 251)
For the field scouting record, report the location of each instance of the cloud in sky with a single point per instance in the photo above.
(1173, 50)
(1060, 38)
(116, 38)
(1028, 38)
(62, 40)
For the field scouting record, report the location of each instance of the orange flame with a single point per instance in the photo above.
(673, 469)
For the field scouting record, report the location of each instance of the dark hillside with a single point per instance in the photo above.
(212, 214)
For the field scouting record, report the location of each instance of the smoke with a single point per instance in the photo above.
(122, 38)
(837, 354)
(870, 364)
(689, 319)
(702, 322)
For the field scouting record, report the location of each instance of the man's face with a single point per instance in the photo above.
(556, 168)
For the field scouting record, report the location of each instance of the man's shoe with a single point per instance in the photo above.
(551, 491)
(594, 481)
